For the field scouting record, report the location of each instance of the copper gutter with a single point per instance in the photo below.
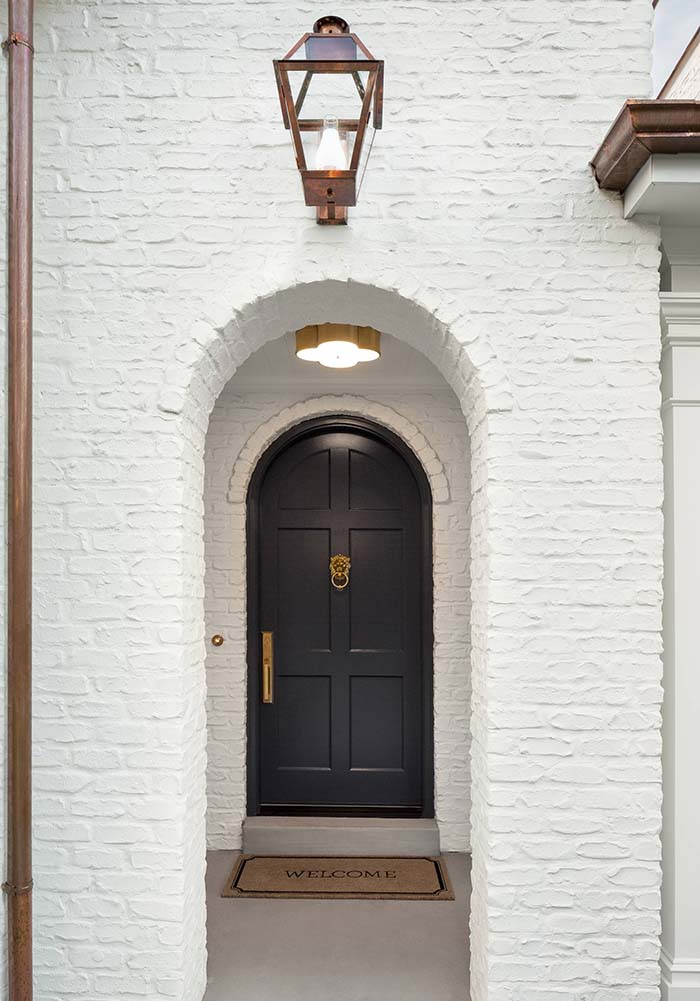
(641, 129)
(18, 887)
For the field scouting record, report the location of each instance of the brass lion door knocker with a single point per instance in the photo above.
(340, 571)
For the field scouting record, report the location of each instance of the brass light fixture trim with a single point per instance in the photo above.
(217, 640)
(338, 345)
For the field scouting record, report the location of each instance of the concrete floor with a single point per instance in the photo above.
(337, 950)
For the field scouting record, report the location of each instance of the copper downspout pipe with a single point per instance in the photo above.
(19, 48)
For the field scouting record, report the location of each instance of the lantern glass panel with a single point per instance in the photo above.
(328, 94)
(311, 142)
(334, 48)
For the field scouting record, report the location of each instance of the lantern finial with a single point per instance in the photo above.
(331, 25)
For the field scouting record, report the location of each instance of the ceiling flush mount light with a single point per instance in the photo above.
(338, 345)
(340, 83)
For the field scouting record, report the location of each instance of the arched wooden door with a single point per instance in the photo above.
(347, 728)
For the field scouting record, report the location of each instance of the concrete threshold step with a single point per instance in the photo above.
(340, 836)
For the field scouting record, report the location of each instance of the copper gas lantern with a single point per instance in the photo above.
(331, 76)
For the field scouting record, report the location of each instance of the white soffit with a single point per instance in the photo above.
(668, 185)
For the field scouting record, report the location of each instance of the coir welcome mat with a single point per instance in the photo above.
(341, 877)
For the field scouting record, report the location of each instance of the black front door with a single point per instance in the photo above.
(348, 727)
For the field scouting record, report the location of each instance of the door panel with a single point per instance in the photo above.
(303, 721)
(371, 487)
(376, 598)
(303, 613)
(308, 485)
(347, 729)
(376, 722)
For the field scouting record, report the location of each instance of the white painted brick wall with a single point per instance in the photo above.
(171, 241)
(242, 424)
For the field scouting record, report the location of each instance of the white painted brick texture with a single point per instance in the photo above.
(242, 424)
(171, 241)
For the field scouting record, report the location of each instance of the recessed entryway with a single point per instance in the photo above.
(401, 448)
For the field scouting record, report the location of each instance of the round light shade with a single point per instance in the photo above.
(337, 354)
(338, 345)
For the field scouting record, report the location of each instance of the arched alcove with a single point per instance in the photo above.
(201, 368)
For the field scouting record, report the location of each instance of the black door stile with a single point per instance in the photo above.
(350, 728)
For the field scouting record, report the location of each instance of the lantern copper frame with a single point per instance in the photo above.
(330, 191)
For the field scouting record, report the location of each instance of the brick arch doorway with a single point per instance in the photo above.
(207, 359)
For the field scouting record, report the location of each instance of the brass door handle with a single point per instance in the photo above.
(267, 668)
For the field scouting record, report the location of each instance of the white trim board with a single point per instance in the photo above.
(668, 186)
